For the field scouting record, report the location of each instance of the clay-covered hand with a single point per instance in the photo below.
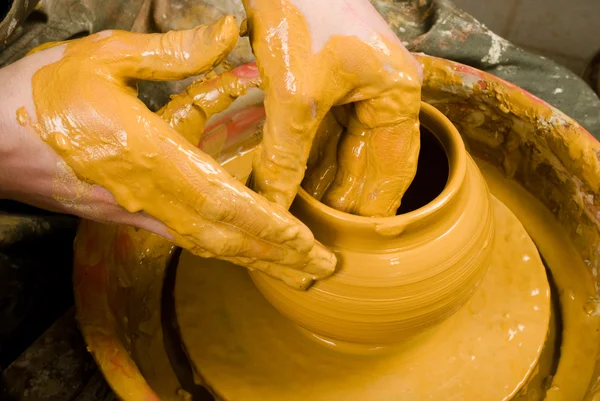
(314, 56)
(104, 156)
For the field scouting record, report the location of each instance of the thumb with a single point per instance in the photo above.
(188, 111)
(173, 55)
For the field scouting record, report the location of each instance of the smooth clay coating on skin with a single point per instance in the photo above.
(87, 111)
(375, 84)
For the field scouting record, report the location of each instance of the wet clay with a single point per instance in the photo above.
(213, 333)
(396, 275)
(86, 110)
(580, 322)
(245, 350)
(306, 74)
(577, 295)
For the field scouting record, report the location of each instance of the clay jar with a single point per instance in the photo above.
(396, 276)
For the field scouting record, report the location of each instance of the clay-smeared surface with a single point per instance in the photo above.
(553, 238)
(245, 349)
(578, 302)
(581, 322)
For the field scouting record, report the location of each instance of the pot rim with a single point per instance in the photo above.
(449, 137)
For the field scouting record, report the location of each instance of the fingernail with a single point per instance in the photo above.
(290, 233)
(299, 281)
(298, 237)
(322, 262)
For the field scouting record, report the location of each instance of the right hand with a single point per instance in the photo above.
(86, 145)
(335, 56)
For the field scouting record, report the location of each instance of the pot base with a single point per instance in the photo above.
(244, 349)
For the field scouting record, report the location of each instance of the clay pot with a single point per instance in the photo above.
(400, 275)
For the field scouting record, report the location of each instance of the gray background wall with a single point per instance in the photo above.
(567, 31)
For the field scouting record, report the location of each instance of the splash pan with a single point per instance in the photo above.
(553, 172)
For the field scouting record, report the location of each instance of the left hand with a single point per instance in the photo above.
(85, 144)
(313, 57)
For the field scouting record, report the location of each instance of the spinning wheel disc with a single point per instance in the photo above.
(245, 350)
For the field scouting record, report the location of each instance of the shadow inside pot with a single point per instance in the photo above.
(432, 174)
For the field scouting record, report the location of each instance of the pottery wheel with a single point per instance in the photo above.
(245, 350)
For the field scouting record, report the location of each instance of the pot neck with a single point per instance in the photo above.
(336, 229)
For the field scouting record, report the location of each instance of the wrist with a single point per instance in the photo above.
(8, 128)
(22, 152)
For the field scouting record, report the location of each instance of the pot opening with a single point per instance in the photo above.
(441, 170)
(432, 174)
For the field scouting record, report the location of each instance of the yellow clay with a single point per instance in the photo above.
(245, 350)
(402, 336)
(397, 275)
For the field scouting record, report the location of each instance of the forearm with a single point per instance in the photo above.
(32, 173)
(13, 137)
(323, 19)
(28, 169)
(305, 4)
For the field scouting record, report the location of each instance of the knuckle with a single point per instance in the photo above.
(300, 104)
(281, 157)
(231, 248)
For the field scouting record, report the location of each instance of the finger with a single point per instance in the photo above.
(202, 187)
(204, 208)
(322, 162)
(188, 111)
(170, 56)
(288, 133)
(227, 242)
(221, 198)
(395, 152)
(299, 279)
(389, 158)
(392, 148)
(344, 192)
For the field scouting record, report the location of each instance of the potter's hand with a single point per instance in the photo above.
(107, 149)
(316, 55)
